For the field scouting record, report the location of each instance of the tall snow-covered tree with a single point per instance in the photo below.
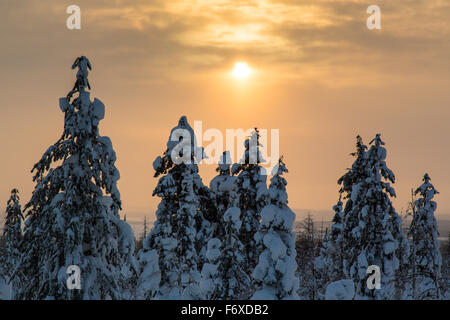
(12, 233)
(181, 215)
(425, 259)
(274, 276)
(72, 217)
(251, 188)
(371, 230)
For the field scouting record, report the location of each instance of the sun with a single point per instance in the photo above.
(241, 70)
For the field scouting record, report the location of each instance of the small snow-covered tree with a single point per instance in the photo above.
(251, 188)
(12, 233)
(336, 248)
(180, 215)
(425, 259)
(72, 217)
(274, 276)
(371, 227)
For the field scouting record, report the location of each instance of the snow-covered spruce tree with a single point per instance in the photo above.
(231, 282)
(371, 231)
(251, 188)
(12, 235)
(329, 264)
(72, 217)
(336, 248)
(274, 276)
(180, 215)
(425, 259)
(353, 177)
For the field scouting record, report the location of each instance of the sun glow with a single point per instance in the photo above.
(241, 70)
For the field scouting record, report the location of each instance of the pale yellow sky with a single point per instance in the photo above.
(319, 76)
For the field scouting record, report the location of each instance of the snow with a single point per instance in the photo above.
(362, 264)
(268, 215)
(64, 104)
(98, 109)
(340, 290)
(223, 183)
(275, 245)
(261, 191)
(355, 192)
(126, 240)
(150, 276)
(389, 247)
(261, 269)
(208, 279)
(191, 292)
(267, 293)
(279, 217)
(5, 290)
(213, 252)
(233, 215)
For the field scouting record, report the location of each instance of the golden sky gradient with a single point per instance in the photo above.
(318, 74)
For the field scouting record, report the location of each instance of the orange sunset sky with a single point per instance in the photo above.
(317, 74)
